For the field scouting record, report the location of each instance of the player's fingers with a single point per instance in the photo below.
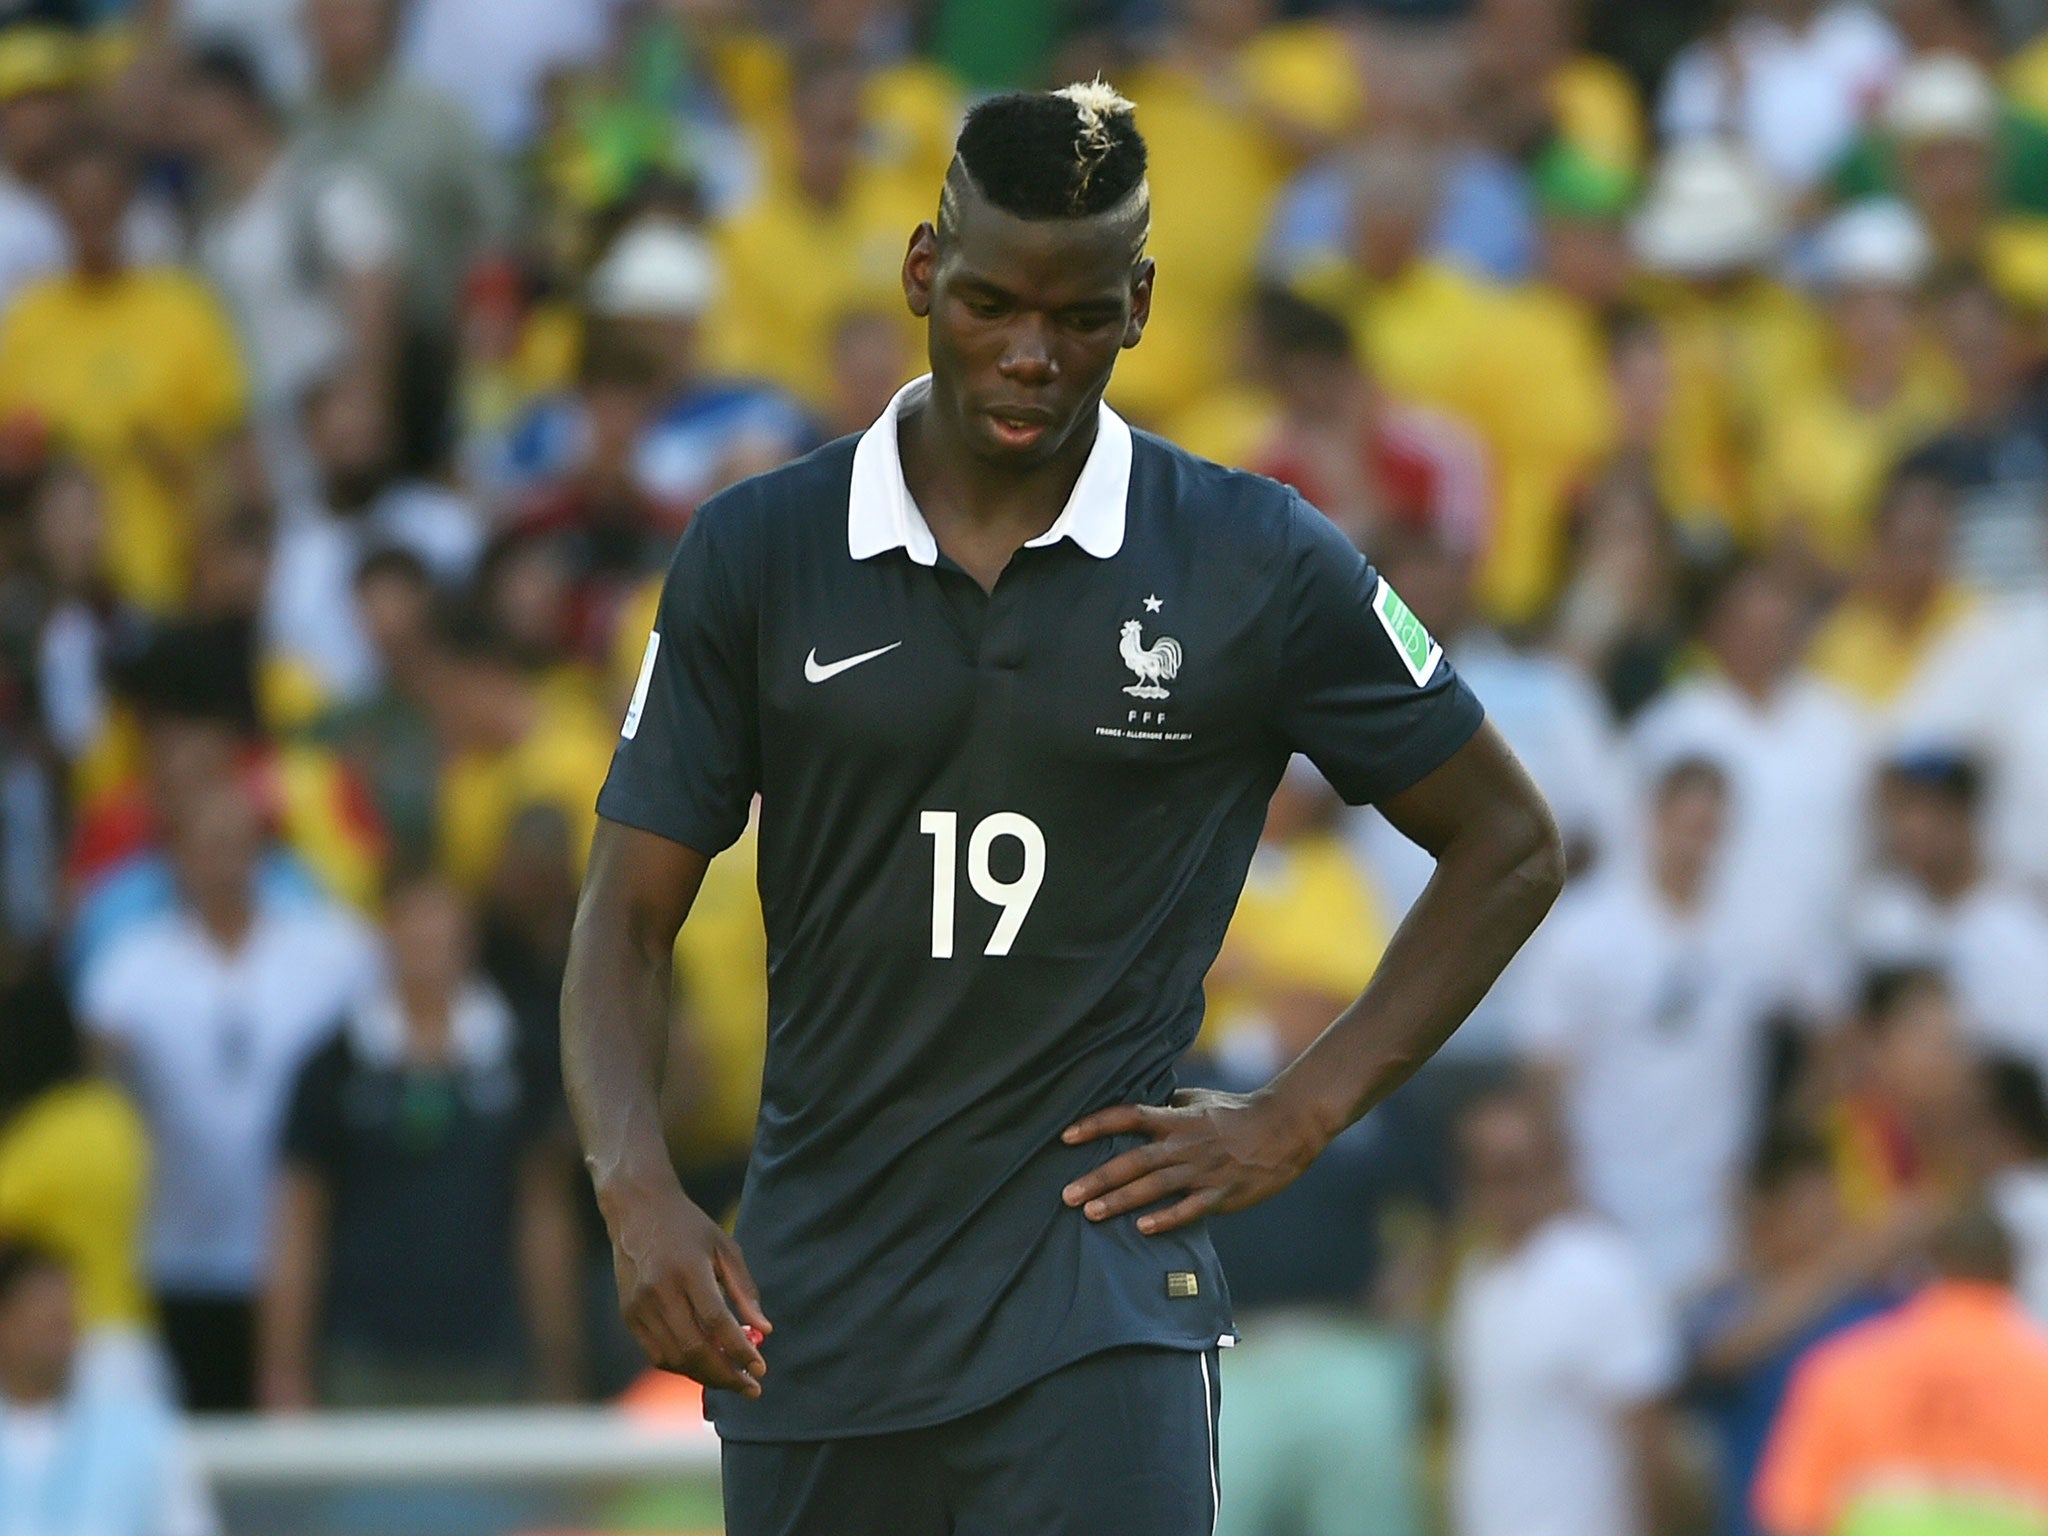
(653, 1329)
(739, 1285)
(1149, 1190)
(720, 1329)
(1119, 1170)
(1122, 1120)
(1191, 1208)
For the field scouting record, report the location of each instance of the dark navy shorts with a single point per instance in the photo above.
(1122, 1443)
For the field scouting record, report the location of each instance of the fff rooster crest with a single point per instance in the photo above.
(1155, 665)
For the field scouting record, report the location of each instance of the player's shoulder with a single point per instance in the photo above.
(801, 497)
(1184, 490)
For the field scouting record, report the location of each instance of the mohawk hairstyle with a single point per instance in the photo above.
(1065, 154)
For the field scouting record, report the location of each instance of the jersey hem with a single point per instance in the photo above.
(1201, 1344)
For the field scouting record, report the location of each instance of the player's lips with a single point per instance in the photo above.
(1018, 426)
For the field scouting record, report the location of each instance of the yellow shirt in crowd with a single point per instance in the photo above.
(1548, 415)
(794, 271)
(1307, 922)
(1823, 458)
(722, 973)
(1863, 653)
(74, 1175)
(561, 763)
(1737, 354)
(910, 108)
(138, 376)
(1215, 165)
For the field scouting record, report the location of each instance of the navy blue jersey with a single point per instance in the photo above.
(1001, 836)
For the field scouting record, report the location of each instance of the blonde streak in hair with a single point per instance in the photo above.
(1096, 103)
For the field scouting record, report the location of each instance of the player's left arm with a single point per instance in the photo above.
(1499, 867)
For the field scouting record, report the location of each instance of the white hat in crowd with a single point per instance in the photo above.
(1710, 210)
(1878, 243)
(656, 270)
(1942, 96)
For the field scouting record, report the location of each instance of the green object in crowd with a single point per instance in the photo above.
(1573, 183)
(996, 45)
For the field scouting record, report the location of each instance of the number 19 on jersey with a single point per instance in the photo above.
(1013, 896)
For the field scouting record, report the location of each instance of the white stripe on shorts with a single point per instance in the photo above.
(1209, 1411)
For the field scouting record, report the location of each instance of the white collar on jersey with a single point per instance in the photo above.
(880, 514)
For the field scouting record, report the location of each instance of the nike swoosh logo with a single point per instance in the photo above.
(813, 673)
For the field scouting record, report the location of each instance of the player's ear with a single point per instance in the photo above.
(1141, 301)
(920, 265)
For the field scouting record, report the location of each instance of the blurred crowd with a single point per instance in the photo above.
(1685, 367)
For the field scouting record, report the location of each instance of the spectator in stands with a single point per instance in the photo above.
(425, 1248)
(2016, 1180)
(1796, 761)
(1232, 104)
(1791, 79)
(507, 743)
(870, 362)
(387, 737)
(80, 1458)
(1930, 1417)
(207, 1013)
(646, 425)
(1737, 340)
(40, 70)
(1316, 421)
(824, 236)
(308, 262)
(1995, 456)
(1904, 600)
(1561, 1351)
(1640, 1006)
(74, 1157)
(133, 369)
(1804, 1274)
(1826, 449)
(63, 613)
(1968, 166)
(1936, 905)
(1906, 1123)
(360, 501)
(449, 195)
(1620, 615)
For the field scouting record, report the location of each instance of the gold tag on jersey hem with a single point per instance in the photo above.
(1181, 1282)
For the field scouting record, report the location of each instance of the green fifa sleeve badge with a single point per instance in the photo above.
(1419, 654)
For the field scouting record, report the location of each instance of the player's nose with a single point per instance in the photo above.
(1027, 356)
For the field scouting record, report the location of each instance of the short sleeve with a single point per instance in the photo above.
(1364, 691)
(1628, 1345)
(312, 1127)
(687, 761)
(353, 222)
(1544, 1009)
(107, 993)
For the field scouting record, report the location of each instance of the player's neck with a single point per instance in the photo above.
(980, 513)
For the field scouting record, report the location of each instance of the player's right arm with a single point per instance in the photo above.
(683, 1285)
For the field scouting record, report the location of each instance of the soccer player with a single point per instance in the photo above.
(1013, 683)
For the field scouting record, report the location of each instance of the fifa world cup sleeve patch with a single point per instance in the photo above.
(632, 726)
(1419, 653)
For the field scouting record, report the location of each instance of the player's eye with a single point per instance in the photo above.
(1090, 319)
(984, 305)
